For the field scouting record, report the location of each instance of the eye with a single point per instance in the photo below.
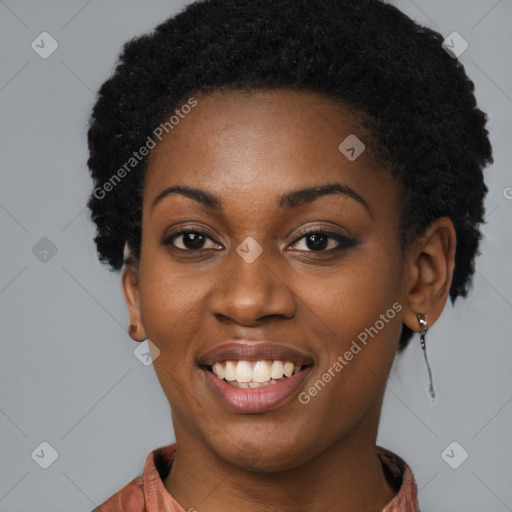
(190, 241)
(322, 241)
(313, 241)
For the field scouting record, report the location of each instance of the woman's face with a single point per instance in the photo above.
(262, 277)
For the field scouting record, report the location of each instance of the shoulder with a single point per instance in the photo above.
(128, 499)
(399, 475)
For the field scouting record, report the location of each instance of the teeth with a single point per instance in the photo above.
(261, 372)
(288, 369)
(254, 374)
(229, 371)
(277, 370)
(219, 370)
(243, 372)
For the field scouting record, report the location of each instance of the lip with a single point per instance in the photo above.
(254, 400)
(253, 351)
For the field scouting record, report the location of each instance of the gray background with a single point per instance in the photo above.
(68, 373)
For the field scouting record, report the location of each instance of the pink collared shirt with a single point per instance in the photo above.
(148, 494)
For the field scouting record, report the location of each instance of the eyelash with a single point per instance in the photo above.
(343, 241)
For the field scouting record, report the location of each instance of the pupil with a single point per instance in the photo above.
(193, 240)
(319, 241)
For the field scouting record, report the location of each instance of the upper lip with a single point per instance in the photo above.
(253, 351)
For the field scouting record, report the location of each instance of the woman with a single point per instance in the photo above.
(291, 190)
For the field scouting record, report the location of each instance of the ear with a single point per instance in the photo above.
(130, 284)
(430, 264)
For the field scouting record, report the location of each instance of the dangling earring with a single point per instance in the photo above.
(422, 320)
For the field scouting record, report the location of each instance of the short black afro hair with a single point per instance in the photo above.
(416, 99)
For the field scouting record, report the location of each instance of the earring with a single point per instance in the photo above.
(132, 330)
(422, 320)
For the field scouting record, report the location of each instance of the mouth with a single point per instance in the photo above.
(252, 377)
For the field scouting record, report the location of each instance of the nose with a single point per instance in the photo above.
(251, 292)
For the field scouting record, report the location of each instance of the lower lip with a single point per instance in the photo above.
(254, 400)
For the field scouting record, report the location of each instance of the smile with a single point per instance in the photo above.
(251, 377)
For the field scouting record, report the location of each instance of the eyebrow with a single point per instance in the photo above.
(288, 201)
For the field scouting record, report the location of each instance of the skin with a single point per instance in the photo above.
(248, 149)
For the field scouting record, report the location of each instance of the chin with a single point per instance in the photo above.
(265, 456)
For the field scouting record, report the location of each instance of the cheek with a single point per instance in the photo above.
(356, 312)
(172, 311)
(353, 296)
(169, 306)
(358, 321)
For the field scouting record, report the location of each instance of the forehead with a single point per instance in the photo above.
(260, 144)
